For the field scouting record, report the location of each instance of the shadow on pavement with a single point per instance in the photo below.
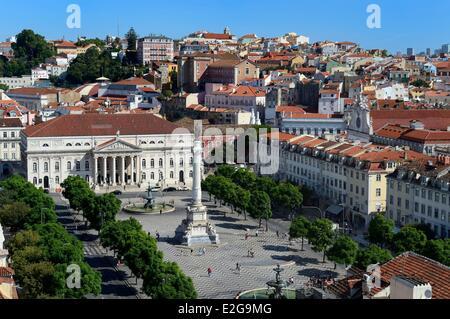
(302, 261)
(234, 226)
(312, 272)
(275, 248)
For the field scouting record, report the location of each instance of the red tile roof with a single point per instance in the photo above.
(218, 36)
(290, 109)
(432, 119)
(102, 125)
(33, 91)
(420, 267)
(10, 122)
(134, 81)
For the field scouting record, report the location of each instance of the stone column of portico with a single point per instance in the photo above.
(132, 169)
(114, 169)
(122, 167)
(95, 171)
(105, 172)
(138, 169)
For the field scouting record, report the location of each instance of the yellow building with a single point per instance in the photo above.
(343, 174)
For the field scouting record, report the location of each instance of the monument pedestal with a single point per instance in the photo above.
(196, 230)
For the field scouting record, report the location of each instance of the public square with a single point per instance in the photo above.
(225, 281)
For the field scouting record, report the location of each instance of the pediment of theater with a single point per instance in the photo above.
(116, 146)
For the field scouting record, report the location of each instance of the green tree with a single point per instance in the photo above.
(226, 171)
(14, 215)
(409, 239)
(86, 68)
(426, 229)
(40, 259)
(266, 184)
(131, 37)
(174, 80)
(90, 281)
(381, 230)
(439, 250)
(98, 42)
(260, 207)
(343, 251)
(100, 210)
(3, 87)
(168, 283)
(23, 239)
(299, 228)
(76, 189)
(32, 49)
(119, 236)
(289, 197)
(372, 255)
(243, 200)
(167, 94)
(420, 83)
(58, 245)
(321, 235)
(244, 178)
(20, 190)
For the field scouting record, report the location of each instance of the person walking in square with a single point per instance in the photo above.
(209, 272)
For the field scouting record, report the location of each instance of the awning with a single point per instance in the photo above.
(335, 210)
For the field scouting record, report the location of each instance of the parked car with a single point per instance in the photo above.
(117, 192)
(183, 188)
(170, 189)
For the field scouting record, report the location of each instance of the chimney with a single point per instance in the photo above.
(403, 287)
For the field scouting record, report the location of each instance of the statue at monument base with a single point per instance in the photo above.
(196, 230)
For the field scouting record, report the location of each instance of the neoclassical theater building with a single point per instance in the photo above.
(111, 151)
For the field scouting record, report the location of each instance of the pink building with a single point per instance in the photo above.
(155, 48)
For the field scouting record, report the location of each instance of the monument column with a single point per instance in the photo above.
(196, 229)
(197, 178)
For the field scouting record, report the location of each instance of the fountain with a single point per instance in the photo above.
(150, 206)
(150, 200)
(276, 289)
(278, 285)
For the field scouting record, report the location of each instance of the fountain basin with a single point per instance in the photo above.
(264, 293)
(140, 209)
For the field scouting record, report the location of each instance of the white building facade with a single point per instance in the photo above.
(118, 151)
(420, 195)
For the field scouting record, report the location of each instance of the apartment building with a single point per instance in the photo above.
(155, 48)
(237, 97)
(343, 174)
(10, 129)
(419, 193)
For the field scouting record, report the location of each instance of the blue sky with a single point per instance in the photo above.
(404, 23)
